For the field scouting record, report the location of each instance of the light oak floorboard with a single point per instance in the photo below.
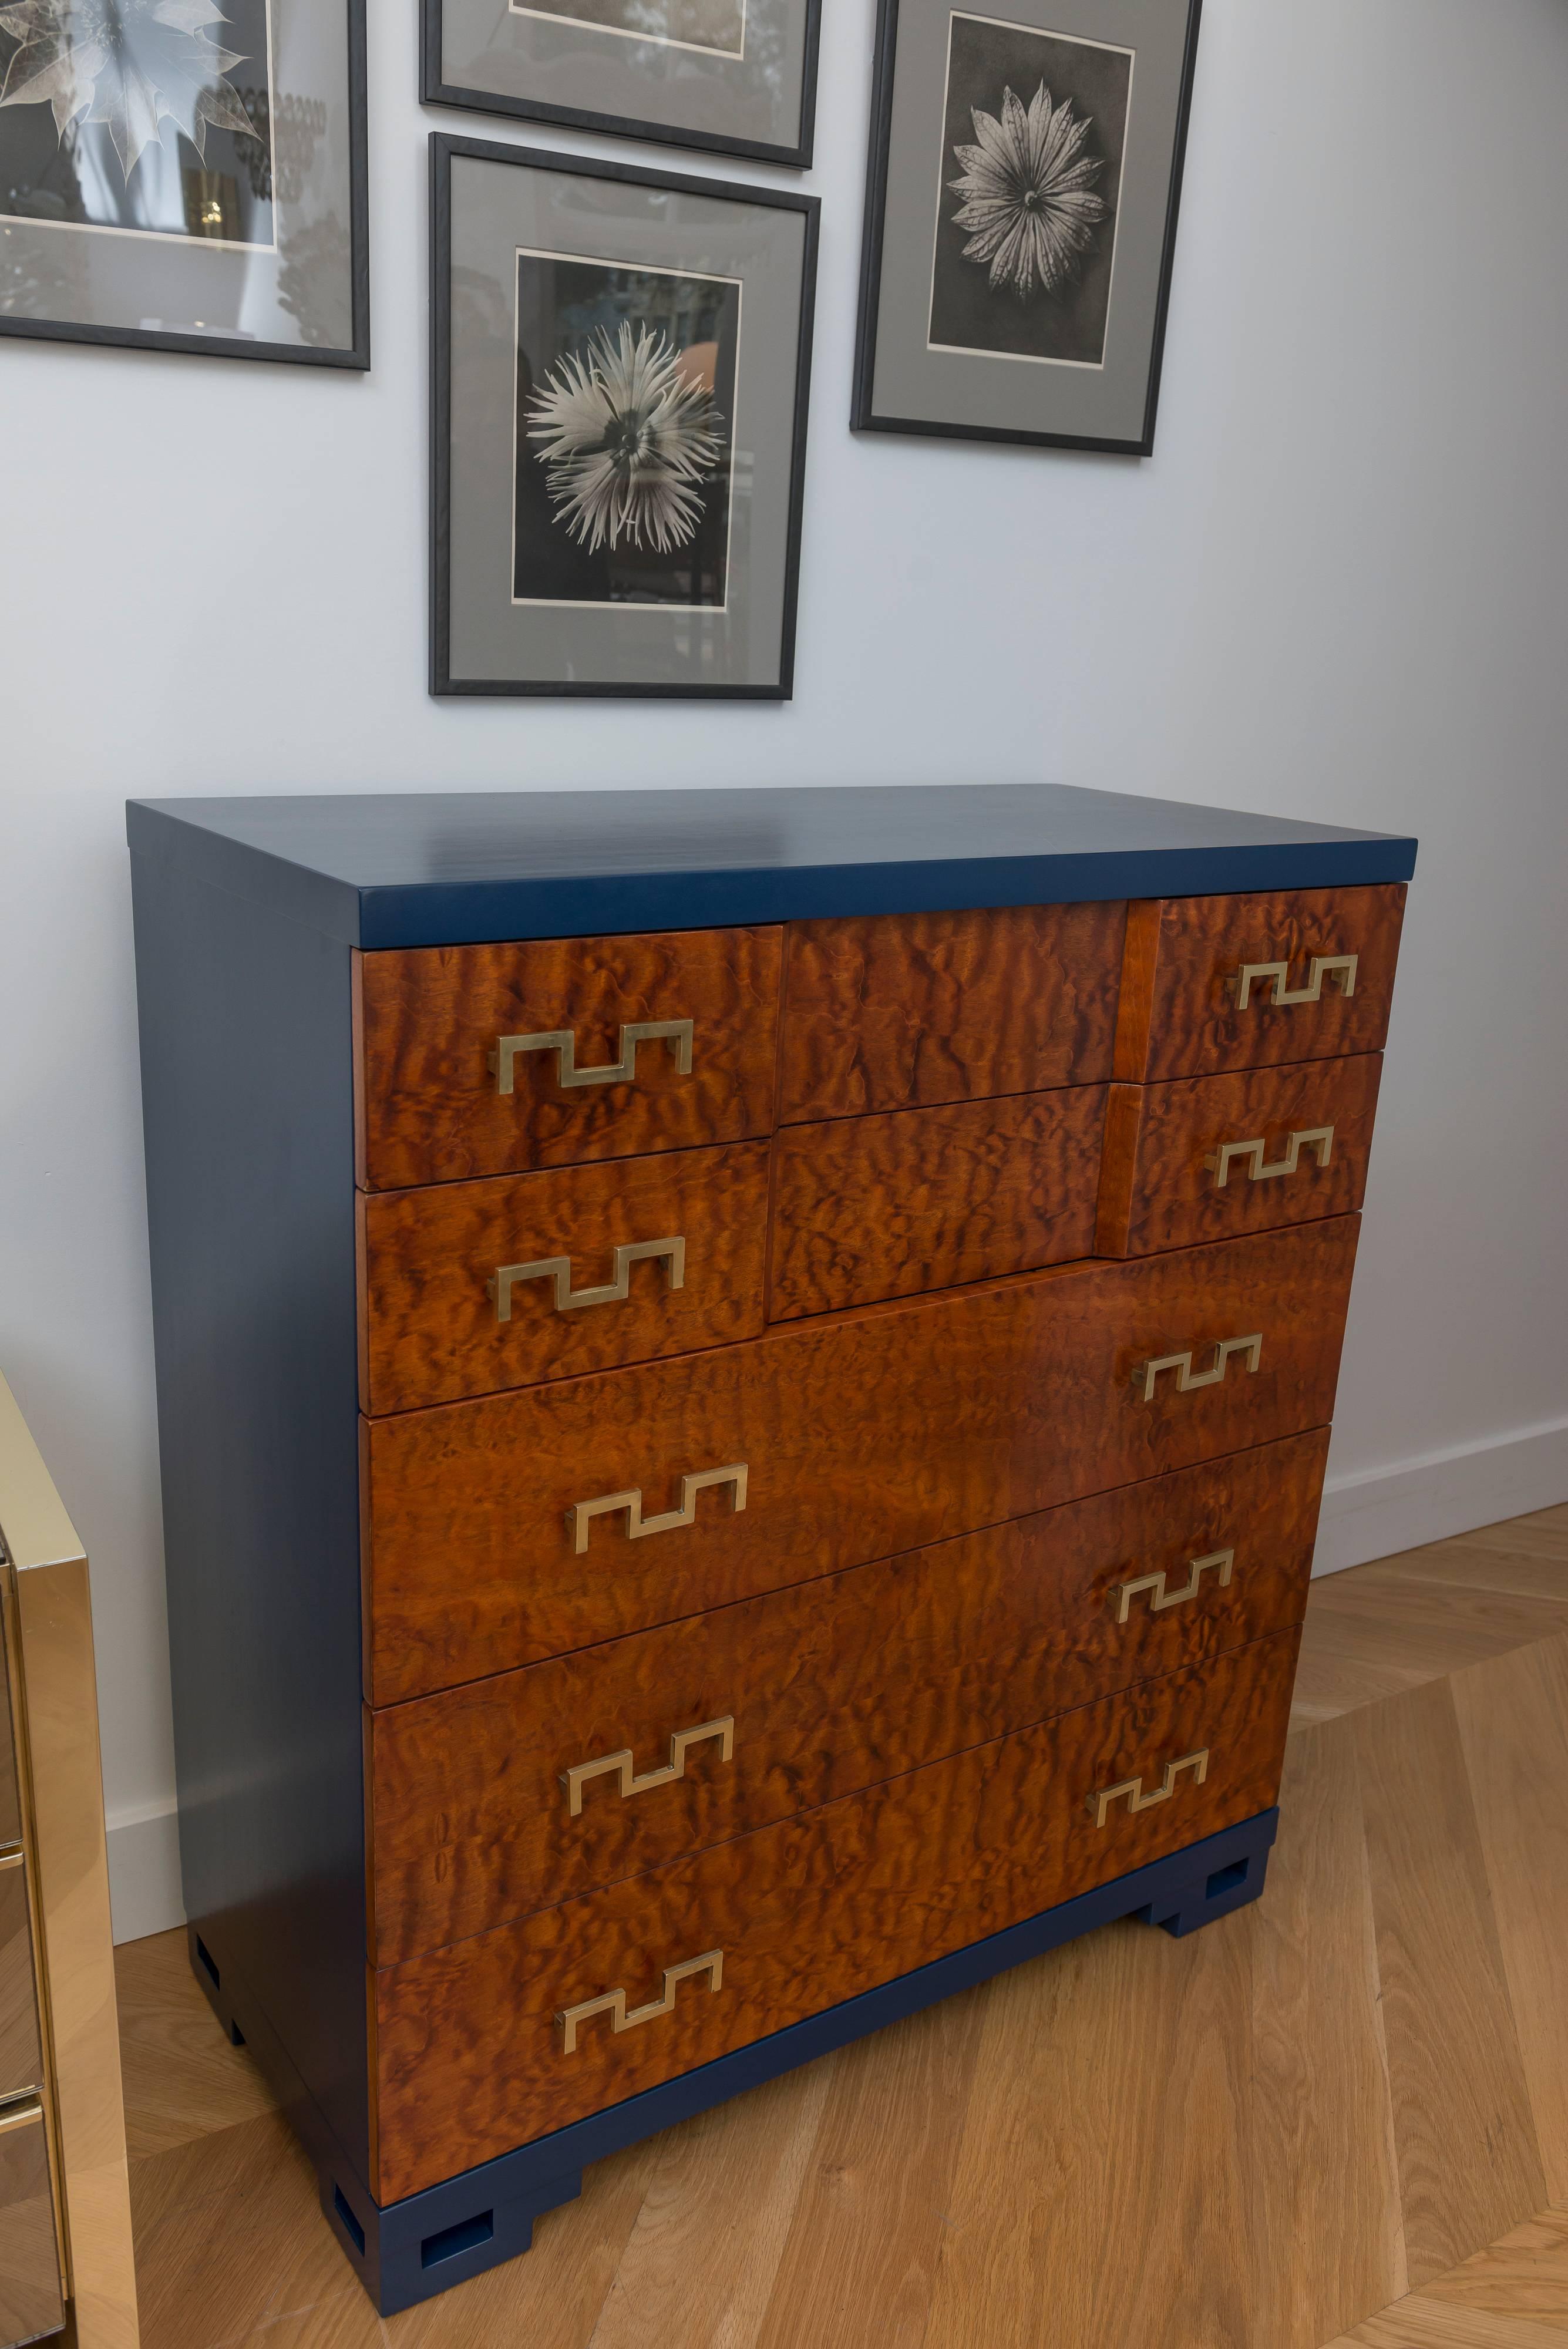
(861, 2256)
(182, 2079)
(1330, 1684)
(1444, 1626)
(1514, 2293)
(1470, 2163)
(1523, 2275)
(1100, 2194)
(551, 2297)
(1512, 1717)
(1422, 2324)
(1326, 2227)
(1292, 2127)
(1367, 1636)
(700, 2265)
(1544, 1534)
(1531, 1575)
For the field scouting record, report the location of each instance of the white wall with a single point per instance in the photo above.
(1337, 591)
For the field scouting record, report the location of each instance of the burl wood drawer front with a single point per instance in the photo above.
(499, 1798)
(872, 1207)
(469, 1287)
(1204, 1157)
(553, 1015)
(1244, 982)
(857, 1436)
(902, 1010)
(472, 2061)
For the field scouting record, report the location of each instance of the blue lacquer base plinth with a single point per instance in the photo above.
(408, 2252)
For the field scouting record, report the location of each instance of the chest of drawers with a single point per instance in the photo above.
(744, 1385)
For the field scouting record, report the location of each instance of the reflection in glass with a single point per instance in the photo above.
(150, 115)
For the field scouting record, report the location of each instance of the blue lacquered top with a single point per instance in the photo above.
(436, 868)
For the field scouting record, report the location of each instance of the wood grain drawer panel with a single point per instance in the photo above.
(872, 1207)
(807, 1913)
(904, 1011)
(430, 1109)
(1264, 1131)
(1179, 1015)
(832, 1686)
(863, 1435)
(432, 1333)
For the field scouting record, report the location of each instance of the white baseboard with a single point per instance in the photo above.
(1382, 1510)
(144, 1893)
(1367, 1516)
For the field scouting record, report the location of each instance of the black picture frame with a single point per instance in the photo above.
(446, 149)
(864, 416)
(355, 355)
(436, 90)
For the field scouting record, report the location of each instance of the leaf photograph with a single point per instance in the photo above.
(146, 115)
(625, 412)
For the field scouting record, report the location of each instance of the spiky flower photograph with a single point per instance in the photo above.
(1036, 123)
(143, 114)
(625, 403)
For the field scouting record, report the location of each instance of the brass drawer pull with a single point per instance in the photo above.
(1186, 1378)
(1101, 1800)
(581, 1513)
(21, 2115)
(1313, 1137)
(676, 1033)
(1217, 1561)
(1277, 977)
(622, 1764)
(558, 1269)
(613, 2002)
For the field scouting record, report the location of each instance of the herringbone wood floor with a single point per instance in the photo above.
(1338, 2116)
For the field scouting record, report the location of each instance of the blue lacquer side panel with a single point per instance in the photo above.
(247, 1093)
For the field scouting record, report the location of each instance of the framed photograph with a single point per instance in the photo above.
(1021, 205)
(733, 77)
(182, 175)
(620, 366)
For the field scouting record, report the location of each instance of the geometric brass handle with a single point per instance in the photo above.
(676, 1033)
(1277, 975)
(638, 1527)
(1186, 1378)
(1313, 1137)
(613, 2002)
(621, 1765)
(1218, 1561)
(1100, 1802)
(558, 1269)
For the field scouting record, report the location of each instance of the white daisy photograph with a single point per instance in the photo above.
(625, 411)
(1033, 130)
(1024, 184)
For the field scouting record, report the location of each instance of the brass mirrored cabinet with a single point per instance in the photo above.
(66, 2264)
